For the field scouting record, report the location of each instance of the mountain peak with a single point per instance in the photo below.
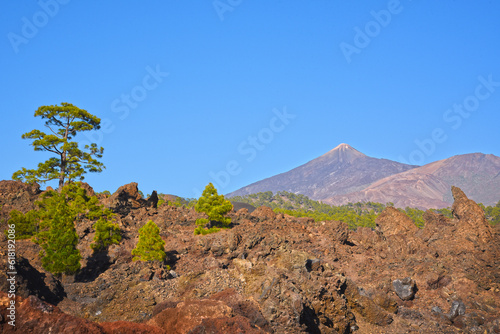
(340, 171)
(343, 146)
(344, 153)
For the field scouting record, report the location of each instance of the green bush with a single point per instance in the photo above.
(106, 234)
(150, 246)
(25, 224)
(215, 206)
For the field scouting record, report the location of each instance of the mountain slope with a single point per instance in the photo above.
(429, 186)
(340, 171)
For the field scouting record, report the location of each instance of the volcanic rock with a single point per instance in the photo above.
(125, 199)
(152, 201)
(364, 305)
(37, 317)
(457, 309)
(392, 222)
(472, 225)
(405, 288)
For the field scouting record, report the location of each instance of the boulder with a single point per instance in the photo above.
(30, 281)
(361, 303)
(405, 288)
(314, 265)
(457, 308)
(152, 201)
(125, 199)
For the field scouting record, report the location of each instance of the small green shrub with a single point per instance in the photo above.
(107, 233)
(150, 246)
(215, 206)
(26, 225)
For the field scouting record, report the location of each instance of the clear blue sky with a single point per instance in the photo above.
(233, 91)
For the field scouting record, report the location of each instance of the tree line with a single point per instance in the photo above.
(361, 214)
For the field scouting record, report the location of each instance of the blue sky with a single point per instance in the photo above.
(234, 91)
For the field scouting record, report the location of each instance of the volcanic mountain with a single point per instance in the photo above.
(429, 186)
(340, 171)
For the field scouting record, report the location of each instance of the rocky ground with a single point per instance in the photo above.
(269, 273)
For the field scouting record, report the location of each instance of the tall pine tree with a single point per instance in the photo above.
(70, 162)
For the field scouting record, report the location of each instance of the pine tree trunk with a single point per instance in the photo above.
(63, 171)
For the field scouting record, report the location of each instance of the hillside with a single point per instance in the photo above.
(268, 273)
(429, 186)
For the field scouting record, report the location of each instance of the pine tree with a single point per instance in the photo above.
(57, 235)
(215, 206)
(60, 254)
(150, 246)
(70, 161)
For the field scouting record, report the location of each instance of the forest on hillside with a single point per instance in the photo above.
(361, 214)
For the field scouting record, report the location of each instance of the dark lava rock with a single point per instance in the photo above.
(152, 201)
(314, 265)
(364, 305)
(405, 288)
(457, 309)
(125, 199)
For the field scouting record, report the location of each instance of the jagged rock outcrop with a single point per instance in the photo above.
(128, 198)
(152, 201)
(125, 199)
(263, 212)
(472, 224)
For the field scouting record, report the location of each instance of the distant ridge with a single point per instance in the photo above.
(342, 170)
(429, 186)
(344, 175)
